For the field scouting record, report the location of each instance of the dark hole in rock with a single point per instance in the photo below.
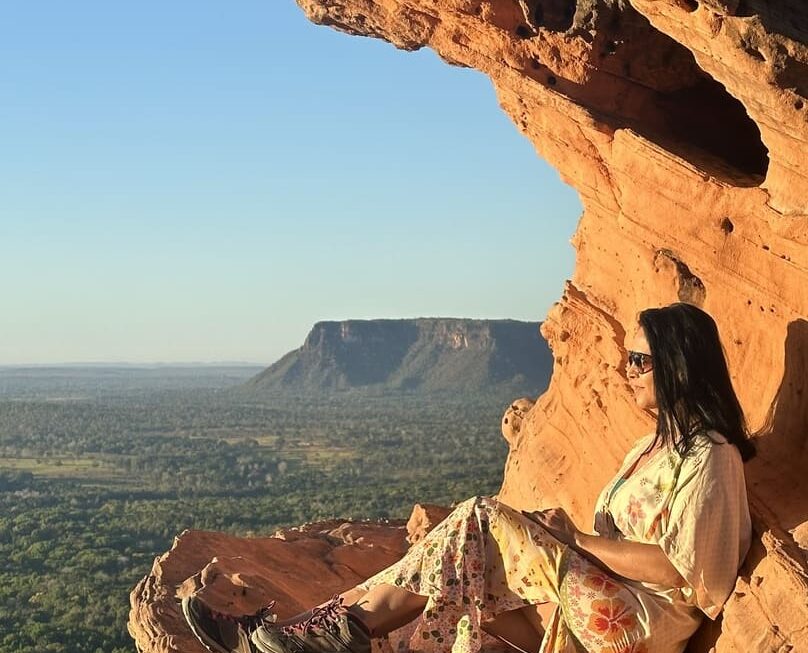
(669, 100)
(744, 9)
(754, 53)
(786, 17)
(726, 226)
(766, 247)
(691, 114)
(538, 15)
(798, 105)
(792, 74)
(524, 32)
(704, 116)
(688, 5)
(554, 15)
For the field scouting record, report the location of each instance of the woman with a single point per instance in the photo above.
(670, 531)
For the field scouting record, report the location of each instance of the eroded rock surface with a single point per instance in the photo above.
(423, 519)
(298, 568)
(683, 126)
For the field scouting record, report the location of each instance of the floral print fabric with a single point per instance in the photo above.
(485, 559)
(694, 507)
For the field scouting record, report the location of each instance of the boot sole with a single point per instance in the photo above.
(262, 645)
(243, 645)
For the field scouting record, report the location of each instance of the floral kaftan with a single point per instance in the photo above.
(486, 558)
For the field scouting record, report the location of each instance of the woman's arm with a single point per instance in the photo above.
(633, 560)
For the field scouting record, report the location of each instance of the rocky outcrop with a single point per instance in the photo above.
(297, 568)
(425, 355)
(423, 519)
(683, 126)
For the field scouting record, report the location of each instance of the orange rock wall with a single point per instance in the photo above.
(682, 124)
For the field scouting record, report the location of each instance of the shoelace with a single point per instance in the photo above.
(323, 615)
(250, 622)
(263, 617)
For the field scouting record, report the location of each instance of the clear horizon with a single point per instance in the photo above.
(193, 363)
(194, 185)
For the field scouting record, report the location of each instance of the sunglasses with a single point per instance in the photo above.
(643, 362)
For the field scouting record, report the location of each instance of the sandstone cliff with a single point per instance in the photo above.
(683, 126)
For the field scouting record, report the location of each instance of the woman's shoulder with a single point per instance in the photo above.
(712, 442)
(643, 442)
(640, 444)
(712, 452)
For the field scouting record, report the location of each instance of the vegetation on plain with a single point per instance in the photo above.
(100, 470)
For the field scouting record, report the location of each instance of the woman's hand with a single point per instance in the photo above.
(557, 522)
(635, 560)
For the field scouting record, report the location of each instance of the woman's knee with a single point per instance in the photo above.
(474, 509)
(477, 504)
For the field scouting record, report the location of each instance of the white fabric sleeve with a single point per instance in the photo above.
(708, 529)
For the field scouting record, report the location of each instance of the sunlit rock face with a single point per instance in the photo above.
(682, 124)
(298, 568)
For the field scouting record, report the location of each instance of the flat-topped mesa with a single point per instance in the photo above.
(422, 355)
(683, 126)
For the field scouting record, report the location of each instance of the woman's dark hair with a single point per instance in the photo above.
(694, 393)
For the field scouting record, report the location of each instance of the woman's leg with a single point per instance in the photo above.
(514, 628)
(384, 608)
(483, 560)
(465, 578)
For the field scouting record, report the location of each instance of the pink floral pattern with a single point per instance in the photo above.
(601, 583)
(486, 558)
(611, 619)
(634, 510)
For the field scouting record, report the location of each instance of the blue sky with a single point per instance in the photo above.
(202, 181)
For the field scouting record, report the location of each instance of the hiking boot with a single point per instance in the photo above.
(221, 632)
(330, 628)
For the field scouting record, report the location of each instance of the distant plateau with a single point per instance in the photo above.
(423, 355)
